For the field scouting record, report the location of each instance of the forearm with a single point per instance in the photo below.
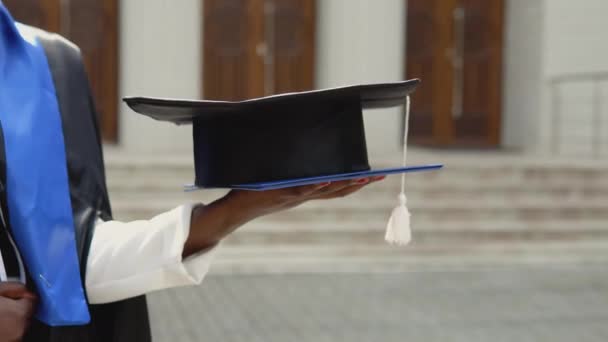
(211, 223)
(128, 259)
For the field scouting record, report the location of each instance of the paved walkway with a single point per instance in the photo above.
(519, 303)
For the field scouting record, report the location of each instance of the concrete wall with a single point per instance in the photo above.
(574, 41)
(522, 73)
(363, 41)
(160, 55)
(545, 39)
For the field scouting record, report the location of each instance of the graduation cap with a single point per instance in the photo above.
(283, 140)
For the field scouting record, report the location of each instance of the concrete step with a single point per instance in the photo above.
(459, 181)
(371, 196)
(148, 182)
(172, 198)
(353, 209)
(385, 259)
(269, 232)
(509, 192)
(474, 169)
(475, 198)
(425, 185)
(471, 178)
(268, 225)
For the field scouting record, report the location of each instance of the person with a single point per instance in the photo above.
(116, 263)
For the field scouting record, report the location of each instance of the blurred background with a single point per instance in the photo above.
(510, 239)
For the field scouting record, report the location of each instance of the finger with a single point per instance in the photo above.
(27, 306)
(324, 189)
(358, 184)
(298, 195)
(377, 179)
(342, 193)
(16, 295)
(351, 182)
(29, 295)
(339, 187)
(304, 190)
(13, 290)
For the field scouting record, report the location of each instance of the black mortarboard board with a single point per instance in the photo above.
(281, 140)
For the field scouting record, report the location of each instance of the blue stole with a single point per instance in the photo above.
(37, 180)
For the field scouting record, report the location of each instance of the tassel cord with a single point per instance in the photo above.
(406, 129)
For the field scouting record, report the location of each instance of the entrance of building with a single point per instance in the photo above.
(253, 48)
(93, 26)
(455, 47)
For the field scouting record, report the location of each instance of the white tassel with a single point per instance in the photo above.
(398, 230)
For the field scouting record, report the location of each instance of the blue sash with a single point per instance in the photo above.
(37, 179)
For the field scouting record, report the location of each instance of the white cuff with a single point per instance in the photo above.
(134, 258)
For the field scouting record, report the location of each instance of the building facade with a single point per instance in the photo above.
(525, 75)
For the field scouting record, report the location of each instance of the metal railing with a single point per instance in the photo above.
(596, 79)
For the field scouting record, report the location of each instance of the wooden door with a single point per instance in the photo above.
(93, 26)
(455, 47)
(293, 46)
(232, 29)
(44, 14)
(253, 48)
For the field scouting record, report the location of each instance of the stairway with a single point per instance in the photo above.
(478, 202)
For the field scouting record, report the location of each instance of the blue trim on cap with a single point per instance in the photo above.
(263, 186)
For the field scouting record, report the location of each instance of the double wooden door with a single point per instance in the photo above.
(93, 26)
(455, 47)
(253, 48)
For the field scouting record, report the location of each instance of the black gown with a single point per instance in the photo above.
(122, 321)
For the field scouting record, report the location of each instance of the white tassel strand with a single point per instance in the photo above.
(398, 230)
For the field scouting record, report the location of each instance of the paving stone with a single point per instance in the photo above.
(550, 303)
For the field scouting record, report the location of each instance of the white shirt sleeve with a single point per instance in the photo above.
(128, 259)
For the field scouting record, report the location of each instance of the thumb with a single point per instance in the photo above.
(28, 306)
(15, 290)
